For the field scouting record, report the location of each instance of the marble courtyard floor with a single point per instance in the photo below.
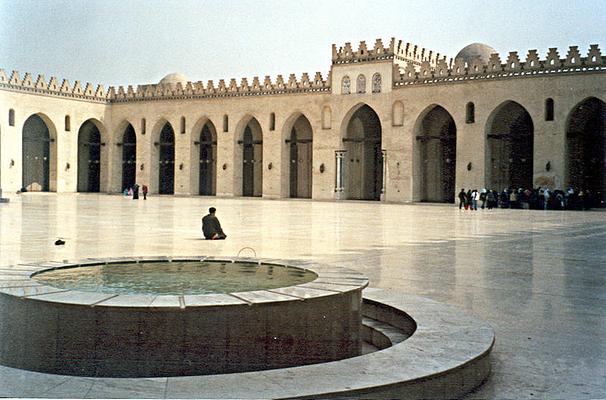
(539, 278)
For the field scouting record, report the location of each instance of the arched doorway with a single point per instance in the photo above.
(129, 157)
(510, 137)
(208, 160)
(36, 155)
(89, 157)
(586, 148)
(252, 159)
(166, 160)
(437, 141)
(363, 166)
(300, 160)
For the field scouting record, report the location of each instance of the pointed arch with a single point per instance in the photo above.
(361, 135)
(39, 154)
(129, 156)
(91, 159)
(510, 147)
(204, 158)
(586, 149)
(297, 157)
(435, 155)
(162, 172)
(248, 157)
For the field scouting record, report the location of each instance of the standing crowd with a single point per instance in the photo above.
(133, 191)
(529, 199)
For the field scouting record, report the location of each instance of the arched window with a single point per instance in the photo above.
(549, 110)
(346, 85)
(376, 83)
(470, 113)
(68, 125)
(225, 123)
(361, 84)
(143, 126)
(11, 117)
(182, 124)
(272, 121)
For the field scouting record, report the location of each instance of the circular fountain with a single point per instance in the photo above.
(158, 316)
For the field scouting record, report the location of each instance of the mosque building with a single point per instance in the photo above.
(395, 122)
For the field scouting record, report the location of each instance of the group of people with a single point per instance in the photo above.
(528, 199)
(133, 191)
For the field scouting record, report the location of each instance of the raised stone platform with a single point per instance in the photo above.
(445, 356)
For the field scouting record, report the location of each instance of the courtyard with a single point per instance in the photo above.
(536, 276)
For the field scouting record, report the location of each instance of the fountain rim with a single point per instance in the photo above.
(330, 280)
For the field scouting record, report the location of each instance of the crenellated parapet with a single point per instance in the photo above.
(402, 53)
(40, 86)
(457, 70)
(232, 88)
(256, 87)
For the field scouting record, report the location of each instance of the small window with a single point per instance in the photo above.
(549, 110)
(470, 113)
(376, 83)
(143, 126)
(68, 125)
(272, 121)
(361, 84)
(182, 125)
(346, 85)
(11, 117)
(225, 123)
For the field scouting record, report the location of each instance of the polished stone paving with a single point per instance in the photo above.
(537, 277)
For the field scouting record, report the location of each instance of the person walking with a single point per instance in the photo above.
(144, 189)
(135, 192)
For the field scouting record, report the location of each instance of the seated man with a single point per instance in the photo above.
(211, 227)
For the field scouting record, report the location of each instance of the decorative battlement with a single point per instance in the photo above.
(412, 66)
(40, 86)
(223, 89)
(165, 91)
(399, 51)
(460, 70)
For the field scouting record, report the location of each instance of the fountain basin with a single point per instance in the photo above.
(100, 334)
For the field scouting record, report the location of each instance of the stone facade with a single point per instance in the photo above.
(425, 125)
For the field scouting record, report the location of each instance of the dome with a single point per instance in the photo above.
(174, 78)
(468, 53)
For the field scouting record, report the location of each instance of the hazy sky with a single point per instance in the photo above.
(139, 41)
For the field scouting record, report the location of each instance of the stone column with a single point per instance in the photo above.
(339, 154)
(384, 176)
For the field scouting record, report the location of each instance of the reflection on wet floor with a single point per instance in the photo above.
(537, 277)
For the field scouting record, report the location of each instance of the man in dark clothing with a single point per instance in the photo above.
(211, 228)
(462, 198)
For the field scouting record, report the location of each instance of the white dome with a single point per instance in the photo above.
(174, 78)
(474, 50)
